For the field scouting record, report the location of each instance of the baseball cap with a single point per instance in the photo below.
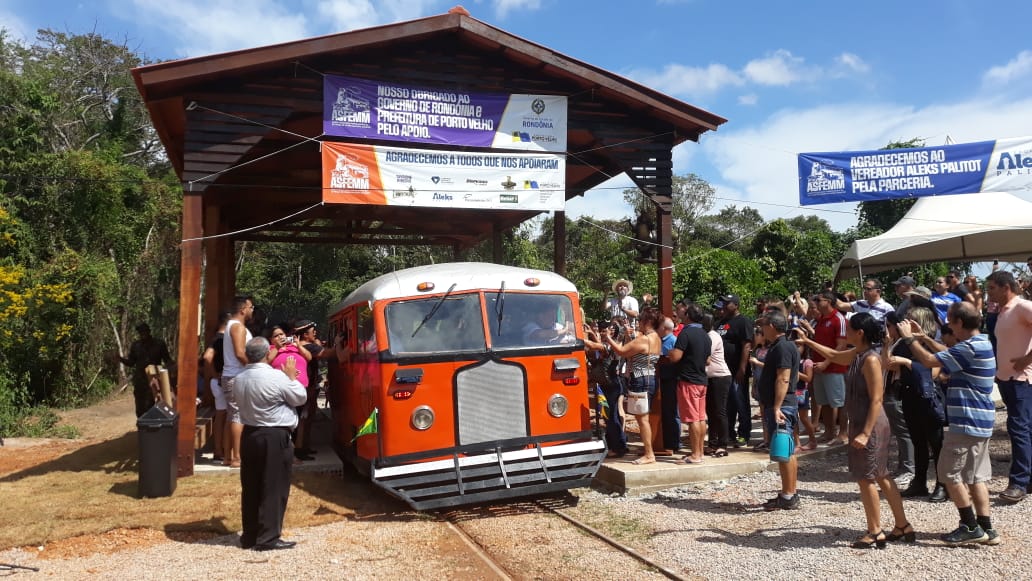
(302, 325)
(906, 280)
(731, 299)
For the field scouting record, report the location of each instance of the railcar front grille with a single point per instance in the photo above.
(492, 403)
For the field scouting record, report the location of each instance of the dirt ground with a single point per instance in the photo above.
(104, 421)
(66, 498)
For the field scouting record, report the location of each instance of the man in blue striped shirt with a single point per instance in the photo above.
(964, 462)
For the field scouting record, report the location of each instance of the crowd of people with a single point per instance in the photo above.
(862, 372)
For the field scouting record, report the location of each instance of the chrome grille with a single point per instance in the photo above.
(492, 403)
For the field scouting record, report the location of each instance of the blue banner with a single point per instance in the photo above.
(856, 176)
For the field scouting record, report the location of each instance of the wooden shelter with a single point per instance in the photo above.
(242, 130)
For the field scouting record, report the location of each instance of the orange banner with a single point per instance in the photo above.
(351, 175)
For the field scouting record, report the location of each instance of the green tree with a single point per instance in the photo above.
(692, 198)
(92, 216)
(731, 228)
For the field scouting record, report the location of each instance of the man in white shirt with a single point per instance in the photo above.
(622, 304)
(267, 398)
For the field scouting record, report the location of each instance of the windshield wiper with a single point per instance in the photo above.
(500, 307)
(433, 311)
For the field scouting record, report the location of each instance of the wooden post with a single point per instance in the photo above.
(187, 353)
(664, 231)
(497, 250)
(559, 243)
(214, 253)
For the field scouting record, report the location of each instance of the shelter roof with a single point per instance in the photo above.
(955, 228)
(263, 107)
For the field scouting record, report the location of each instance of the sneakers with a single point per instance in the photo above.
(992, 537)
(1013, 494)
(903, 479)
(779, 503)
(965, 536)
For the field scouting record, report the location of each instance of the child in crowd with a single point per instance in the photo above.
(756, 358)
(803, 397)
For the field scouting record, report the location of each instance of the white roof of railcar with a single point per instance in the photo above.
(465, 275)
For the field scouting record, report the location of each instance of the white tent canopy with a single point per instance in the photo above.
(957, 228)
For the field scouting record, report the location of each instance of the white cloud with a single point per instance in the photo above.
(780, 69)
(16, 28)
(749, 100)
(684, 80)
(1020, 66)
(210, 26)
(604, 202)
(504, 7)
(354, 14)
(760, 162)
(852, 63)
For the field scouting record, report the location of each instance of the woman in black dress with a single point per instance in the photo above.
(869, 432)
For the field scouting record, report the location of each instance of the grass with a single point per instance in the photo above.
(94, 489)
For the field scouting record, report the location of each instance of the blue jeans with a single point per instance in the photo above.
(739, 410)
(1017, 396)
(669, 419)
(616, 440)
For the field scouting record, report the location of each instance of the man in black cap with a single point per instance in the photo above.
(737, 331)
(903, 285)
(143, 352)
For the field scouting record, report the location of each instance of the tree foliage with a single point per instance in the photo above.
(88, 218)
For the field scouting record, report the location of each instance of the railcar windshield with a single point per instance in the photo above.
(520, 320)
(456, 325)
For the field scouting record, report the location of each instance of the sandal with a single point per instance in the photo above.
(719, 454)
(688, 460)
(869, 541)
(643, 460)
(905, 533)
(612, 454)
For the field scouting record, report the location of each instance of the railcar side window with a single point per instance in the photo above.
(414, 326)
(529, 320)
(366, 331)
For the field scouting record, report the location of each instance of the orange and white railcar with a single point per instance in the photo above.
(478, 379)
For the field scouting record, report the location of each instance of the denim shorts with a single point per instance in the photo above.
(645, 383)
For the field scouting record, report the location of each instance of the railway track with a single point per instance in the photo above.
(457, 520)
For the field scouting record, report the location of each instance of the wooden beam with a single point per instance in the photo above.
(559, 243)
(189, 309)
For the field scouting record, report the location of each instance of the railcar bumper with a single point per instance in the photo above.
(491, 476)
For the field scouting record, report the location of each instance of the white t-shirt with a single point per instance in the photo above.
(613, 305)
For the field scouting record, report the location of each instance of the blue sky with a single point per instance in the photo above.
(789, 76)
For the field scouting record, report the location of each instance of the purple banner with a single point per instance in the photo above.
(361, 108)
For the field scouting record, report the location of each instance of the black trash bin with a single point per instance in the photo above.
(157, 429)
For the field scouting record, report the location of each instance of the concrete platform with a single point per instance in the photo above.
(621, 476)
(326, 459)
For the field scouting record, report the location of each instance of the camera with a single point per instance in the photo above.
(290, 339)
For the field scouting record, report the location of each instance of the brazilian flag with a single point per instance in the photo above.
(603, 403)
(371, 425)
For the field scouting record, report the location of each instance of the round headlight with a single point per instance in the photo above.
(558, 405)
(422, 417)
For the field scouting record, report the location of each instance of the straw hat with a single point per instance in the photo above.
(620, 281)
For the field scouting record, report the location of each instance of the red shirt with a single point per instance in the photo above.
(828, 332)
